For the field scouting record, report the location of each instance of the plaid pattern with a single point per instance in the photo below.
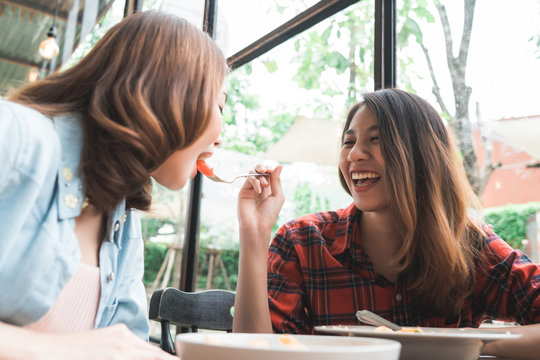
(319, 275)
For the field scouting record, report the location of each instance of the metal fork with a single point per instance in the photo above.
(217, 179)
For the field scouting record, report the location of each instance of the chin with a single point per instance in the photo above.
(369, 206)
(175, 186)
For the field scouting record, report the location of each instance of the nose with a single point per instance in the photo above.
(358, 153)
(218, 141)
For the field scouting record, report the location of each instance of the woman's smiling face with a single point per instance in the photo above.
(361, 162)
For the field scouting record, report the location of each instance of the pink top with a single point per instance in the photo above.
(76, 306)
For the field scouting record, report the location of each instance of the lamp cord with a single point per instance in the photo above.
(55, 13)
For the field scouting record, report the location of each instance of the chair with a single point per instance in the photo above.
(210, 309)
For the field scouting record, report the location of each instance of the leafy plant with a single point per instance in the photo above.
(509, 222)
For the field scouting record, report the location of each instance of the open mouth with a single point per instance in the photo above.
(365, 178)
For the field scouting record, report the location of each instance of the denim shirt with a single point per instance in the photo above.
(41, 194)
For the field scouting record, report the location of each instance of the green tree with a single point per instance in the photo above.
(322, 51)
(307, 202)
(245, 130)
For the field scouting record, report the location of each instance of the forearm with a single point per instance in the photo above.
(18, 343)
(251, 312)
(526, 347)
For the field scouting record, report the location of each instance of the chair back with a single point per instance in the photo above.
(209, 309)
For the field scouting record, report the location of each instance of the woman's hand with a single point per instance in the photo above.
(114, 342)
(527, 347)
(260, 201)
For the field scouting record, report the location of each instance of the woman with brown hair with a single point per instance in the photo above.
(78, 149)
(406, 248)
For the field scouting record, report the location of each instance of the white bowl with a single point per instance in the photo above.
(238, 346)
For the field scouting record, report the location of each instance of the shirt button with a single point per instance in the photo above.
(399, 297)
(71, 201)
(67, 174)
(110, 277)
(116, 225)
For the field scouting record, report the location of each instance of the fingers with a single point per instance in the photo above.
(275, 182)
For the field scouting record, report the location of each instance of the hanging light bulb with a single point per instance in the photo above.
(33, 74)
(49, 47)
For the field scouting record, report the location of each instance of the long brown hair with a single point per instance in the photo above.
(145, 90)
(429, 195)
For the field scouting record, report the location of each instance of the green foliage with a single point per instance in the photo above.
(244, 130)
(307, 202)
(230, 261)
(336, 46)
(151, 226)
(154, 253)
(509, 222)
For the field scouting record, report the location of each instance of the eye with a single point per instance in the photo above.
(374, 138)
(348, 142)
(220, 109)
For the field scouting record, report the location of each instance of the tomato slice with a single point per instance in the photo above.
(203, 167)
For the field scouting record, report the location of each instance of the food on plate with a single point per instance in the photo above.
(290, 341)
(412, 329)
(203, 167)
(404, 329)
(383, 329)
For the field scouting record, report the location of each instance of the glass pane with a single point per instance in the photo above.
(490, 98)
(192, 11)
(241, 22)
(287, 107)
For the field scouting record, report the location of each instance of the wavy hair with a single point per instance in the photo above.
(429, 197)
(145, 90)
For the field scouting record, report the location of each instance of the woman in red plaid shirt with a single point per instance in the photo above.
(405, 249)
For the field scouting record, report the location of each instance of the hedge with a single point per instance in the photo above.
(155, 254)
(509, 222)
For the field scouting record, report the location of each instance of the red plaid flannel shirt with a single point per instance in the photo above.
(318, 274)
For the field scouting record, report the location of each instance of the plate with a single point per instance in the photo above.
(430, 343)
(240, 346)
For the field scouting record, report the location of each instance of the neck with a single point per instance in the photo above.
(378, 233)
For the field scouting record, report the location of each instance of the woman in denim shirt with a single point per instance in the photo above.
(78, 149)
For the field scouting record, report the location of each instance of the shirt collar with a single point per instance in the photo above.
(69, 179)
(346, 230)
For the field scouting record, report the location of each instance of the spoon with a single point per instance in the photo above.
(368, 317)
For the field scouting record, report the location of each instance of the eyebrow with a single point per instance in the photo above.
(371, 128)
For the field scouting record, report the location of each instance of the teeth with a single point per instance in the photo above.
(364, 175)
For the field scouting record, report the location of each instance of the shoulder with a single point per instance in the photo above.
(499, 253)
(324, 222)
(29, 139)
(29, 146)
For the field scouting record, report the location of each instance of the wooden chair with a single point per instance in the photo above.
(210, 309)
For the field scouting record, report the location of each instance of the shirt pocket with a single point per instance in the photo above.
(108, 313)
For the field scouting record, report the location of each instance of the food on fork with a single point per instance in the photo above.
(203, 167)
